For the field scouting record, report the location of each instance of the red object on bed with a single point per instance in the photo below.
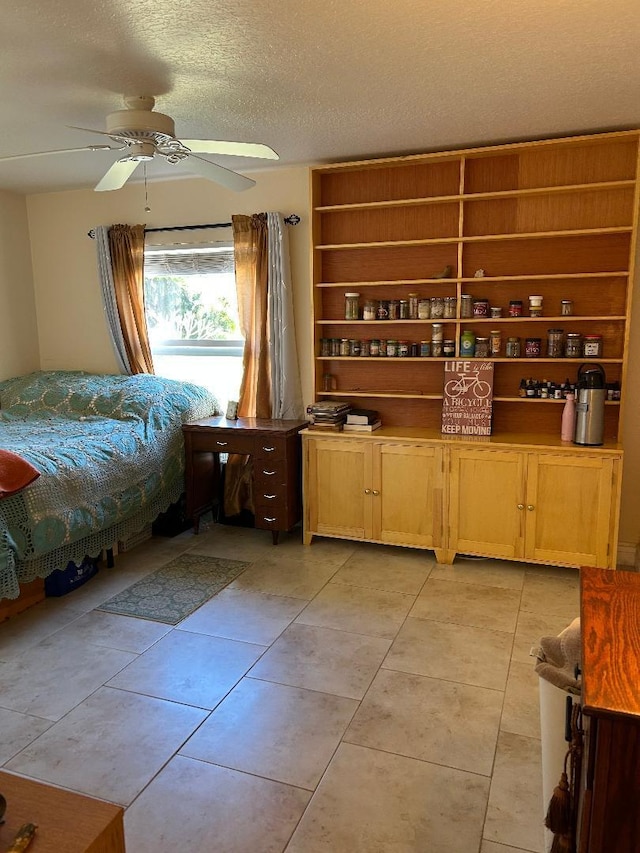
(15, 473)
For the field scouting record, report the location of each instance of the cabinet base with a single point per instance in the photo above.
(445, 556)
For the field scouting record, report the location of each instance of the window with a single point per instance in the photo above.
(192, 316)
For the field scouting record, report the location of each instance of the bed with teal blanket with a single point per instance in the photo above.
(110, 455)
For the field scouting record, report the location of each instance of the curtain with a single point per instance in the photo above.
(286, 388)
(126, 245)
(105, 274)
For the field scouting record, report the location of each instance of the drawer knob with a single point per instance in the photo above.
(375, 492)
(222, 443)
(520, 506)
(268, 449)
(269, 473)
(530, 507)
(270, 520)
(270, 497)
(367, 491)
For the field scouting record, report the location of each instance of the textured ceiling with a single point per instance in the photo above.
(318, 80)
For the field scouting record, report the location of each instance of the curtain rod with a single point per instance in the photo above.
(293, 219)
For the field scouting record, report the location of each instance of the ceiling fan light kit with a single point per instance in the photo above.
(145, 134)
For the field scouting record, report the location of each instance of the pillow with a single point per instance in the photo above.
(15, 473)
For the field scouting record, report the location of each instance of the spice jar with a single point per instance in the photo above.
(437, 307)
(467, 344)
(535, 306)
(325, 347)
(365, 348)
(482, 348)
(466, 305)
(515, 308)
(513, 348)
(573, 345)
(480, 307)
(436, 349)
(383, 310)
(344, 346)
(404, 309)
(566, 307)
(425, 348)
(403, 349)
(369, 312)
(374, 347)
(351, 306)
(393, 309)
(495, 342)
(354, 347)
(555, 341)
(450, 306)
(448, 348)
(592, 346)
(392, 349)
(437, 332)
(496, 311)
(532, 347)
(413, 306)
(335, 346)
(424, 309)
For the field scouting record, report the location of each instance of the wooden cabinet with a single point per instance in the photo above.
(609, 813)
(378, 491)
(556, 508)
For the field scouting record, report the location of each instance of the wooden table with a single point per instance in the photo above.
(67, 822)
(274, 448)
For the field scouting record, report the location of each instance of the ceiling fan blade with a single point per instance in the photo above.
(117, 176)
(225, 177)
(236, 149)
(60, 151)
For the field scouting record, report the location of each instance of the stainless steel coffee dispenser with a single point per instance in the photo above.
(590, 396)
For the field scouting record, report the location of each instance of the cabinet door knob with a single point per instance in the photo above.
(530, 507)
(521, 506)
(269, 520)
(375, 492)
(268, 449)
(222, 443)
(269, 497)
(269, 473)
(367, 491)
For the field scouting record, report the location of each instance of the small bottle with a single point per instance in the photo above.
(568, 428)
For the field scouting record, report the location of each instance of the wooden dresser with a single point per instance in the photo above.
(274, 447)
(609, 819)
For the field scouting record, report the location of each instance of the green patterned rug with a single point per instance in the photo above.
(176, 590)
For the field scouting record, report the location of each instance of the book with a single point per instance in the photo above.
(362, 427)
(328, 427)
(328, 406)
(362, 416)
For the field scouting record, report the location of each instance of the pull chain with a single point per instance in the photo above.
(147, 209)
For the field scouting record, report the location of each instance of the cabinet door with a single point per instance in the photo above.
(569, 509)
(338, 472)
(486, 502)
(407, 508)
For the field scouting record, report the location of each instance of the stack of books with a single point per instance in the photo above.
(362, 420)
(328, 415)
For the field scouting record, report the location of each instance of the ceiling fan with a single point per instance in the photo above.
(145, 134)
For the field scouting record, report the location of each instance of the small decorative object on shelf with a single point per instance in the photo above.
(232, 410)
(445, 273)
(479, 274)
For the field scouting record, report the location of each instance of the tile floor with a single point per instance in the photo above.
(338, 698)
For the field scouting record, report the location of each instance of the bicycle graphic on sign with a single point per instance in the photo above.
(468, 382)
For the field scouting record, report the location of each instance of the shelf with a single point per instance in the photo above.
(411, 282)
(542, 400)
(428, 359)
(392, 394)
(486, 196)
(479, 238)
(560, 318)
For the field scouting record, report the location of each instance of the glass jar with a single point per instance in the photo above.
(566, 307)
(365, 348)
(480, 307)
(532, 347)
(374, 347)
(450, 307)
(437, 307)
(482, 347)
(404, 309)
(535, 306)
(448, 348)
(403, 349)
(515, 308)
(496, 312)
(592, 346)
(351, 306)
(325, 347)
(392, 349)
(344, 346)
(573, 345)
(414, 350)
(369, 312)
(437, 332)
(335, 346)
(413, 306)
(513, 347)
(467, 344)
(393, 309)
(425, 348)
(354, 347)
(555, 343)
(424, 309)
(436, 349)
(495, 342)
(383, 309)
(466, 305)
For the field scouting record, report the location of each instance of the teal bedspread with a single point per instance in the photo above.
(111, 458)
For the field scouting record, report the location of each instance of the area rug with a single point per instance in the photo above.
(176, 590)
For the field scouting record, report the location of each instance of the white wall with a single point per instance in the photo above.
(73, 331)
(18, 329)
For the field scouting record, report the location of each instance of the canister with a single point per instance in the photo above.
(351, 306)
(555, 343)
(325, 347)
(566, 307)
(466, 305)
(532, 347)
(354, 347)
(592, 346)
(515, 308)
(448, 348)
(392, 349)
(365, 348)
(437, 307)
(383, 309)
(573, 345)
(480, 307)
(467, 344)
(369, 312)
(425, 348)
(404, 309)
(437, 332)
(394, 306)
(374, 347)
(424, 309)
(413, 306)
(403, 349)
(436, 349)
(495, 342)
(344, 346)
(482, 347)
(513, 347)
(450, 307)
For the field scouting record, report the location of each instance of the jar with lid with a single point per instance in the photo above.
(354, 347)
(467, 344)
(515, 308)
(344, 346)
(513, 347)
(403, 349)
(496, 312)
(592, 346)
(325, 347)
(573, 345)
(365, 348)
(566, 307)
(351, 306)
(413, 306)
(450, 306)
(424, 309)
(404, 309)
(392, 349)
(335, 346)
(535, 306)
(448, 348)
(383, 309)
(369, 312)
(495, 342)
(436, 349)
(480, 307)
(555, 343)
(437, 307)
(374, 347)
(482, 347)
(414, 349)
(383, 348)
(437, 332)
(393, 309)
(532, 347)
(425, 348)
(466, 305)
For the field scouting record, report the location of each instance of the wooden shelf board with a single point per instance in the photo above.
(411, 282)
(382, 359)
(404, 395)
(558, 318)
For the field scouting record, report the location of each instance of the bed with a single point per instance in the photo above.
(108, 456)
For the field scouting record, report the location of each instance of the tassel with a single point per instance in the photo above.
(562, 844)
(558, 817)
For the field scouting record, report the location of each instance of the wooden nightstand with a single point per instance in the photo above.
(274, 448)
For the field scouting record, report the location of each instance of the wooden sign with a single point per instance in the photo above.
(468, 397)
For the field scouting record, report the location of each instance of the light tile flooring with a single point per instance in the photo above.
(338, 698)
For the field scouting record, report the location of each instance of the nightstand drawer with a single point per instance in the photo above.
(223, 443)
